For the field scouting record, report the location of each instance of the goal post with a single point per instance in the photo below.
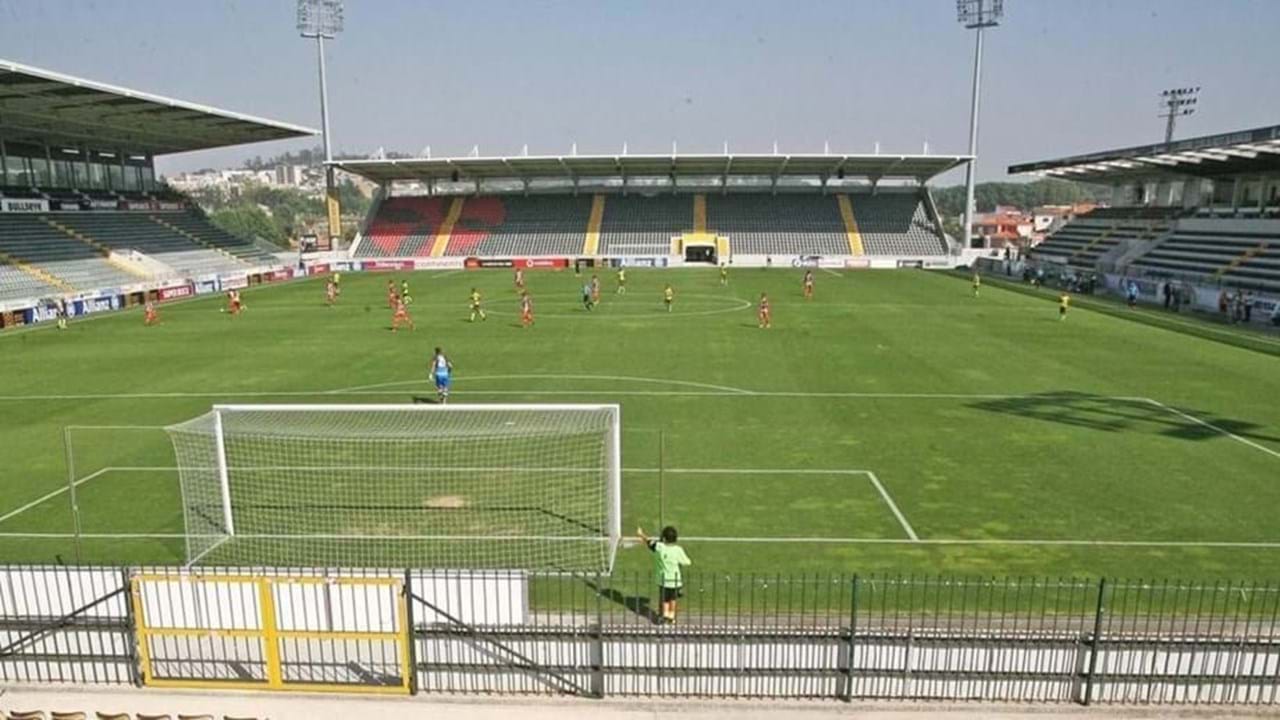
(515, 487)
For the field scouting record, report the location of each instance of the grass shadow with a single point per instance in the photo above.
(1114, 414)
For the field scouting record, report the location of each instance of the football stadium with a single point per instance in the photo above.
(415, 463)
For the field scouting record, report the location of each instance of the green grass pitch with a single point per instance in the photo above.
(1006, 441)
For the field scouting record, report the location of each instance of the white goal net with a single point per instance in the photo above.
(530, 487)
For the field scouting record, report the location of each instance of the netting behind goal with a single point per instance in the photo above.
(512, 487)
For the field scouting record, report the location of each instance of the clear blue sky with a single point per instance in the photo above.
(1060, 77)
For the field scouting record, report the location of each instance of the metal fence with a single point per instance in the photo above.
(776, 636)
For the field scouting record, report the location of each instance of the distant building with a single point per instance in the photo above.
(1007, 226)
(291, 175)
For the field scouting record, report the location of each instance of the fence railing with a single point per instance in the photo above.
(779, 636)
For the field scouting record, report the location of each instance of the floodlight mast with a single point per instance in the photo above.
(975, 15)
(1176, 103)
(321, 19)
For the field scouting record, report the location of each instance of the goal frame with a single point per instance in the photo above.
(613, 484)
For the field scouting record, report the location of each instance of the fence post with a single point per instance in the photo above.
(135, 671)
(852, 645)
(597, 645)
(1096, 641)
(410, 633)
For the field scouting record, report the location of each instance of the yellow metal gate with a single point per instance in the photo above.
(198, 630)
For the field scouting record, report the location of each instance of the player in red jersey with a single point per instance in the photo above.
(401, 316)
(808, 284)
(763, 314)
(233, 303)
(526, 309)
(330, 292)
(149, 315)
(519, 280)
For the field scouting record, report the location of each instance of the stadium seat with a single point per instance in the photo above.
(112, 716)
(638, 225)
(75, 715)
(195, 717)
(144, 716)
(896, 224)
(514, 226)
(27, 715)
(1239, 253)
(767, 224)
(404, 227)
(141, 232)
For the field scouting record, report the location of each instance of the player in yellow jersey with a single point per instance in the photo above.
(1064, 302)
(724, 274)
(977, 283)
(668, 296)
(476, 307)
(622, 281)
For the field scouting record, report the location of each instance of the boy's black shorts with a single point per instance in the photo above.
(670, 594)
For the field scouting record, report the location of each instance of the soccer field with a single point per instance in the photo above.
(895, 423)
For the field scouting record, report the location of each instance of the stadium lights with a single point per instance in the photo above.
(321, 19)
(975, 15)
(1176, 103)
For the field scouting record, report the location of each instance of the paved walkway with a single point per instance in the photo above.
(329, 707)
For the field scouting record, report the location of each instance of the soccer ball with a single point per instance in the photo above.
(222, 310)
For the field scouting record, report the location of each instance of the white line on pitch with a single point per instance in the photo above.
(716, 539)
(655, 393)
(893, 506)
(986, 541)
(830, 272)
(1215, 428)
(54, 494)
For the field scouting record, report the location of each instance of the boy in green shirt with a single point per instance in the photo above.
(668, 559)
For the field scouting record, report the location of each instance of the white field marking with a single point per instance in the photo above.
(736, 392)
(696, 538)
(989, 541)
(115, 427)
(829, 271)
(902, 520)
(81, 481)
(52, 495)
(612, 378)
(1215, 428)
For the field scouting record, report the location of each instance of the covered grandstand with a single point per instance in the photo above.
(1202, 212)
(82, 215)
(656, 206)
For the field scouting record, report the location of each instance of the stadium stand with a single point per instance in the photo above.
(137, 231)
(16, 284)
(404, 227)
(896, 224)
(1240, 253)
(32, 239)
(1083, 240)
(638, 225)
(195, 225)
(535, 225)
(755, 223)
(764, 224)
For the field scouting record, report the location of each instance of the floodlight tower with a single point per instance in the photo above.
(975, 15)
(321, 19)
(1176, 103)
